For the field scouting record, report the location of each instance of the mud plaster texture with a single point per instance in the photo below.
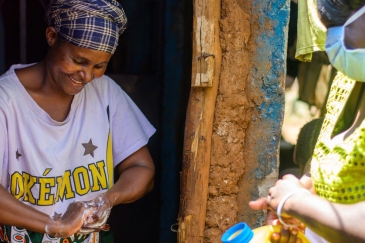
(232, 116)
(248, 113)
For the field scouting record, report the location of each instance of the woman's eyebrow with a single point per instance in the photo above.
(78, 57)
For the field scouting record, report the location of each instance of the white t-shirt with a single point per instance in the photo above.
(49, 164)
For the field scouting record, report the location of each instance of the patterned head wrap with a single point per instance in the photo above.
(93, 24)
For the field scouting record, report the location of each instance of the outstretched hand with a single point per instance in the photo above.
(288, 185)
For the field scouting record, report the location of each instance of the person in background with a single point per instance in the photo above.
(65, 127)
(292, 64)
(330, 199)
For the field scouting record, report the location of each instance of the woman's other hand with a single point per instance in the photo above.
(97, 220)
(71, 221)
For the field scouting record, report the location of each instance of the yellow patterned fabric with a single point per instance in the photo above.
(338, 168)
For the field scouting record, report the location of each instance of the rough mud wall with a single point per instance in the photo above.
(232, 115)
(249, 111)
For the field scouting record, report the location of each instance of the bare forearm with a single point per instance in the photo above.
(135, 178)
(335, 222)
(16, 213)
(133, 184)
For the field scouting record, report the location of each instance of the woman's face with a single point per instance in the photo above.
(71, 67)
(355, 34)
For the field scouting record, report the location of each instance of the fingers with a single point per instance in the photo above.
(85, 231)
(275, 238)
(301, 227)
(71, 221)
(289, 177)
(97, 220)
(81, 216)
(259, 204)
(103, 210)
(77, 212)
(271, 218)
(284, 235)
(293, 236)
(308, 183)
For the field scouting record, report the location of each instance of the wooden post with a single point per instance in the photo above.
(199, 121)
(206, 45)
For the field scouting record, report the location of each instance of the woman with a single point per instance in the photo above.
(65, 127)
(335, 210)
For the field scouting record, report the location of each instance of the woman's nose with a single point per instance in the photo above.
(87, 75)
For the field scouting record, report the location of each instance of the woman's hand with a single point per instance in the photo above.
(286, 235)
(272, 219)
(282, 190)
(71, 221)
(288, 185)
(97, 220)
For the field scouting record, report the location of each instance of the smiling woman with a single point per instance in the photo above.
(80, 65)
(62, 74)
(65, 128)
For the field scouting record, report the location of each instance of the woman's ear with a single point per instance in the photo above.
(51, 36)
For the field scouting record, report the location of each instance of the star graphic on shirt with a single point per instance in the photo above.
(89, 148)
(17, 154)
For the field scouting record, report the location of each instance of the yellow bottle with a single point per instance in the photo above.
(242, 233)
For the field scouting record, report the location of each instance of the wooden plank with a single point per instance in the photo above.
(199, 126)
(206, 48)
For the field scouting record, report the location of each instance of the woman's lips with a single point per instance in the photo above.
(75, 81)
